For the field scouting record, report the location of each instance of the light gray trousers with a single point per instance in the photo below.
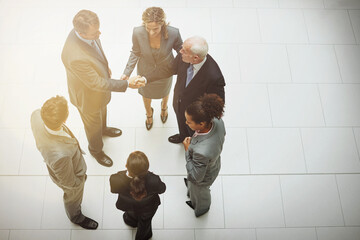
(200, 198)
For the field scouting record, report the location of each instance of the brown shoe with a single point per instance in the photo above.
(164, 114)
(149, 125)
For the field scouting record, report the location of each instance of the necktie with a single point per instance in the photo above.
(190, 73)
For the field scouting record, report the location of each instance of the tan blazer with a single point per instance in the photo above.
(89, 83)
(62, 155)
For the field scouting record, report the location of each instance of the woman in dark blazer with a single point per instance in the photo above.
(203, 149)
(153, 43)
(138, 191)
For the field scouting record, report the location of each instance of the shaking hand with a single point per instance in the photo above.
(136, 82)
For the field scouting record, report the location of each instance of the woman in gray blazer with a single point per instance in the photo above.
(203, 149)
(152, 52)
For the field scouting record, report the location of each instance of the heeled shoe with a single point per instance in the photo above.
(149, 125)
(162, 114)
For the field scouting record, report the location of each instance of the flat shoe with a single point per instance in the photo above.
(88, 223)
(175, 139)
(112, 132)
(103, 159)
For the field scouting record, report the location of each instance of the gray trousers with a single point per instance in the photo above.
(72, 202)
(94, 123)
(200, 198)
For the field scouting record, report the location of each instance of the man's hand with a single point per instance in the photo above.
(136, 82)
(186, 143)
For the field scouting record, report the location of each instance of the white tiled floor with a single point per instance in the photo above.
(290, 164)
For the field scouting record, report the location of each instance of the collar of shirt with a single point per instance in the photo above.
(202, 134)
(198, 66)
(127, 174)
(83, 39)
(61, 132)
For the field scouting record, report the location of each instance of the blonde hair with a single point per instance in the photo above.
(157, 15)
(84, 19)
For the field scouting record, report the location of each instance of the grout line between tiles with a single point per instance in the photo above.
(268, 95)
(316, 233)
(321, 103)
(352, 26)
(43, 205)
(341, 206)
(248, 152)
(259, 28)
(22, 151)
(103, 205)
(282, 201)
(288, 60)
(306, 27)
(303, 150)
(356, 144)
(338, 64)
(223, 198)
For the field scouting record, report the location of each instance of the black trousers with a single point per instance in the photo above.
(142, 221)
(94, 123)
(184, 129)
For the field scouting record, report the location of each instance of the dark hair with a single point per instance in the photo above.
(206, 108)
(138, 166)
(84, 19)
(54, 112)
(157, 15)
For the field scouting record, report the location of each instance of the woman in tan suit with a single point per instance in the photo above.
(152, 52)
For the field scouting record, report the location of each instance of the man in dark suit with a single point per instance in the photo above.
(62, 155)
(197, 73)
(89, 81)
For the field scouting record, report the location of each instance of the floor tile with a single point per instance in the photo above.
(272, 60)
(118, 149)
(313, 64)
(200, 16)
(348, 56)
(165, 158)
(314, 203)
(343, 233)
(40, 234)
(329, 26)
(101, 234)
(4, 234)
(178, 215)
(349, 189)
(256, 3)
(228, 234)
(173, 234)
(282, 26)
(296, 105)
(234, 157)
(246, 29)
(113, 217)
(252, 107)
(342, 4)
(355, 22)
(14, 214)
(54, 216)
(330, 150)
(227, 57)
(286, 233)
(275, 150)
(254, 203)
(339, 106)
(10, 22)
(301, 4)
(11, 150)
(210, 3)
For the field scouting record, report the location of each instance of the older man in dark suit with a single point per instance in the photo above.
(62, 155)
(197, 73)
(89, 81)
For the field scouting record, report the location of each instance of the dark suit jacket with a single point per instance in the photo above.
(120, 183)
(142, 55)
(209, 79)
(62, 155)
(89, 83)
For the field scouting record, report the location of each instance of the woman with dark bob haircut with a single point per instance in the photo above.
(203, 149)
(138, 191)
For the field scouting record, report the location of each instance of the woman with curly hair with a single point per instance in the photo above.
(153, 43)
(203, 149)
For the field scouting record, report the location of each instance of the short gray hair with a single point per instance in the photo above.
(199, 46)
(84, 19)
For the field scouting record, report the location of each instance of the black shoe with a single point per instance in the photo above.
(88, 223)
(175, 139)
(190, 204)
(103, 159)
(111, 132)
(185, 180)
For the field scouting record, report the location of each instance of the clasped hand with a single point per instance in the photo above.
(136, 82)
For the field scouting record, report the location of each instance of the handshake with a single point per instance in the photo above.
(135, 81)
